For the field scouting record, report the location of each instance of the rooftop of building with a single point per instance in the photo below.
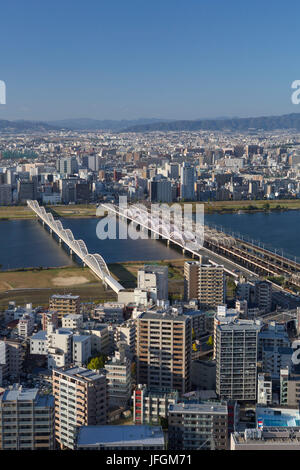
(163, 316)
(158, 391)
(121, 436)
(80, 373)
(40, 335)
(239, 324)
(81, 338)
(65, 296)
(275, 435)
(197, 408)
(277, 417)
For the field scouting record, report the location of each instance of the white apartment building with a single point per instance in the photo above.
(126, 334)
(81, 349)
(26, 325)
(72, 321)
(59, 343)
(264, 390)
(38, 343)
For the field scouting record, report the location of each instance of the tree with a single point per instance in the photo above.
(210, 341)
(194, 347)
(97, 362)
(193, 334)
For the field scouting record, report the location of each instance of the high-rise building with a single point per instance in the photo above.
(80, 400)
(195, 426)
(164, 346)
(187, 182)
(236, 359)
(27, 190)
(26, 419)
(5, 194)
(204, 282)
(67, 166)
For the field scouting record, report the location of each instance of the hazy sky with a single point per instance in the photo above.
(126, 59)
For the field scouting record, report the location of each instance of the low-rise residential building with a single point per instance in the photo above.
(150, 404)
(198, 426)
(65, 304)
(72, 321)
(109, 312)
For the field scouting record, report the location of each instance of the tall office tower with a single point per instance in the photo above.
(93, 162)
(204, 282)
(198, 426)
(26, 420)
(161, 190)
(236, 359)
(27, 190)
(5, 194)
(263, 295)
(67, 166)
(67, 189)
(64, 304)
(80, 400)
(156, 277)
(187, 182)
(164, 344)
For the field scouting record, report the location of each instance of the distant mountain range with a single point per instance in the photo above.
(106, 124)
(24, 126)
(267, 123)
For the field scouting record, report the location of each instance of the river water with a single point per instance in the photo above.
(25, 243)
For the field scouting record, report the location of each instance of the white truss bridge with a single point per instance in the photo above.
(94, 261)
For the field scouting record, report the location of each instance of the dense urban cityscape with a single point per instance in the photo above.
(208, 364)
(149, 230)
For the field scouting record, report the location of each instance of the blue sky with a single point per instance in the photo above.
(127, 59)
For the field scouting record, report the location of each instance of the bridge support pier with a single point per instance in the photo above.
(183, 251)
(168, 242)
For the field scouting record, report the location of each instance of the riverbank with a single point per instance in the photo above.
(82, 211)
(71, 211)
(230, 207)
(35, 285)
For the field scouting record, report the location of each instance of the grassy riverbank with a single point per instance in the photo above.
(37, 285)
(81, 211)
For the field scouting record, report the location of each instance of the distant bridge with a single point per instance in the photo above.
(94, 261)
